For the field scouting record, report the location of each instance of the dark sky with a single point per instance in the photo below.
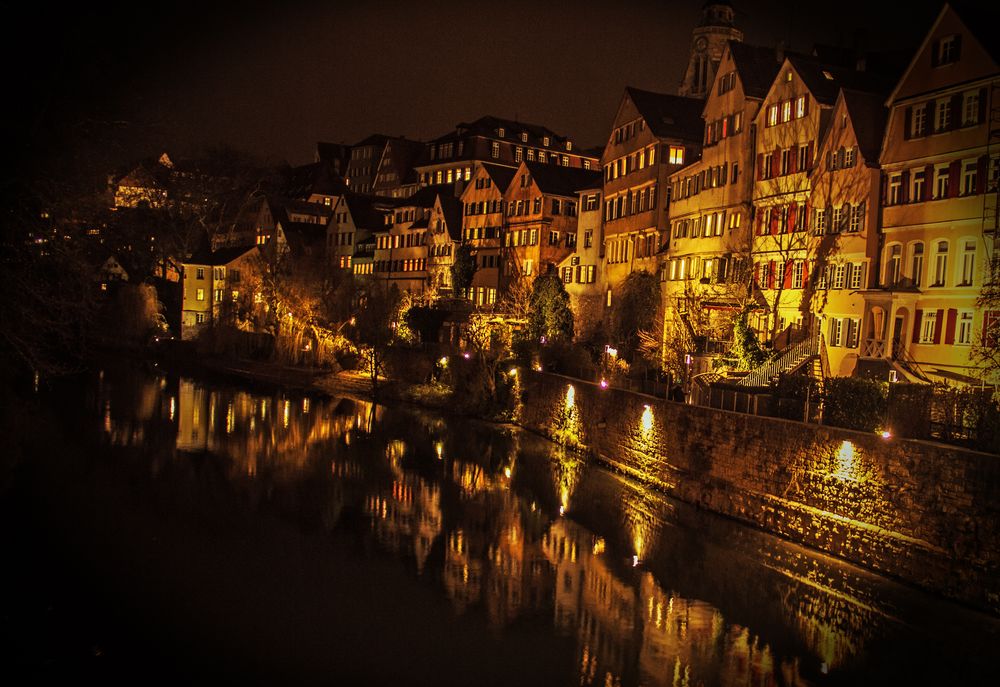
(273, 79)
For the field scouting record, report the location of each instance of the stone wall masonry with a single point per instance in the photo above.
(925, 513)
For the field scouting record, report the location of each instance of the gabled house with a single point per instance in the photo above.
(652, 136)
(443, 238)
(541, 219)
(581, 271)
(211, 282)
(356, 219)
(941, 167)
(482, 229)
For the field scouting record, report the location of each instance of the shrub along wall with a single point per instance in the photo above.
(926, 513)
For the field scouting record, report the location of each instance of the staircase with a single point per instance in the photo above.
(789, 360)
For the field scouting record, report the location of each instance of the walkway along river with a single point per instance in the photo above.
(163, 529)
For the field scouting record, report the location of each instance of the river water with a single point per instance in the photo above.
(163, 529)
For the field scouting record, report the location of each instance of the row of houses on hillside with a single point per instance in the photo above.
(841, 198)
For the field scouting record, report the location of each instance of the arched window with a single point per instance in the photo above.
(968, 262)
(940, 263)
(917, 262)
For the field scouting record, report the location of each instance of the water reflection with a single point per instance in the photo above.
(514, 529)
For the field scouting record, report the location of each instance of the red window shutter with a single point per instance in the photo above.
(805, 274)
(760, 166)
(918, 315)
(907, 123)
(885, 189)
(928, 181)
(787, 280)
(938, 326)
(954, 174)
(793, 162)
(756, 273)
(904, 190)
(775, 218)
(792, 209)
(806, 109)
(949, 332)
(809, 152)
(770, 274)
(776, 162)
(981, 171)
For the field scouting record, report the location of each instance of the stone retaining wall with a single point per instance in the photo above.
(925, 513)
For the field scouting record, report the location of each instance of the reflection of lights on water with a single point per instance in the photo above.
(284, 414)
(823, 668)
(647, 420)
(538, 367)
(230, 418)
(173, 408)
(512, 372)
(37, 378)
(263, 408)
(635, 561)
(562, 510)
(599, 546)
(439, 449)
(305, 405)
(563, 499)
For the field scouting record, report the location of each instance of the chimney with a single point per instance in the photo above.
(779, 51)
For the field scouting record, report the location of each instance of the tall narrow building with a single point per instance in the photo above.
(708, 43)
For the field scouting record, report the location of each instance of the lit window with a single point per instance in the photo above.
(800, 107)
(772, 115)
(965, 327)
(970, 108)
(200, 295)
(786, 111)
(942, 114)
(918, 120)
(676, 155)
(970, 178)
(968, 263)
(501, 132)
(940, 263)
(928, 326)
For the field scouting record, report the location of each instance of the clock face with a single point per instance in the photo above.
(700, 43)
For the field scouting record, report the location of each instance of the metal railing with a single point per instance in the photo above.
(790, 358)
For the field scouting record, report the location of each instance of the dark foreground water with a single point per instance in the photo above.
(167, 530)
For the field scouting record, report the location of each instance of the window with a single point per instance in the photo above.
(495, 149)
(518, 153)
(786, 111)
(772, 115)
(850, 155)
(545, 141)
(895, 189)
(200, 273)
(800, 107)
(970, 108)
(553, 238)
(940, 263)
(969, 177)
(836, 331)
(736, 173)
(767, 171)
(918, 184)
(968, 263)
(964, 328)
(836, 220)
(857, 221)
(941, 181)
(942, 115)
(556, 206)
(820, 223)
(530, 154)
(676, 155)
(892, 267)
(946, 51)
(839, 276)
(501, 132)
(803, 158)
(200, 295)
(928, 326)
(855, 275)
(567, 275)
(588, 239)
(527, 267)
(199, 318)
(917, 263)
(797, 272)
(918, 120)
(785, 161)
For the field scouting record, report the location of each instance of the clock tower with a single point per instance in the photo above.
(708, 42)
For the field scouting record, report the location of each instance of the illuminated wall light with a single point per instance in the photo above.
(506, 472)
(466, 356)
(885, 434)
(443, 362)
(647, 420)
(512, 372)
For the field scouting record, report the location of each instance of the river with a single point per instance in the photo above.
(162, 529)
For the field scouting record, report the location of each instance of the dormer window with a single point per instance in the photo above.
(569, 145)
(545, 141)
(524, 137)
(501, 132)
(827, 75)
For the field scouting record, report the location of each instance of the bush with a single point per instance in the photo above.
(855, 403)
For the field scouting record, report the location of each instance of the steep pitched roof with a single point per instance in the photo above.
(223, 256)
(424, 197)
(561, 181)
(868, 117)
(824, 80)
(982, 21)
(669, 116)
(500, 175)
(451, 207)
(363, 211)
(757, 67)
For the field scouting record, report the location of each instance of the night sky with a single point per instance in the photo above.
(273, 80)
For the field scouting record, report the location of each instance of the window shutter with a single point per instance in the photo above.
(793, 163)
(958, 47)
(792, 209)
(770, 274)
(809, 152)
(805, 109)
(949, 332)
(861, 267)
(756, 273)
(981, 116)
(938, 326)
(928, 181)
(805, 274)
(956, 111)
(760, 166)
(918, 315)
(776, 162)
(981, 171)
(904, 190)
(908, 123)
(954, 174)
(787, 279)
(885, 189)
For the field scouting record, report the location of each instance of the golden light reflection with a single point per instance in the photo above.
(845, 461)
(285, 414)
(439, 450)
(173, 408)
(647, 420)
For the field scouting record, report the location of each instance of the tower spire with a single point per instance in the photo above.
(708, 41)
